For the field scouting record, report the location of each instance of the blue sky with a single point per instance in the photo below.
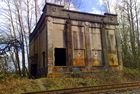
(92, 6)
(89, 4)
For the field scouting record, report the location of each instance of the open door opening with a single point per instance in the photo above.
(33, 69)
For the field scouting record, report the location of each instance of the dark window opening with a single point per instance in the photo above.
(60, 57)
(36, 59)
(43, 53)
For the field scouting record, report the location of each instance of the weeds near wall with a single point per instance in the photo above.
(20, 85)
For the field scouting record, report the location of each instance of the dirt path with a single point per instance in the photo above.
(40, 83)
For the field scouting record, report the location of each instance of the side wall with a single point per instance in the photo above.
(38, 51)
(42, 51)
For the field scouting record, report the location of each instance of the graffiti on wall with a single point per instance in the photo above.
(79, 58)
(96, 58)
(50, 66)
(58, 69)
(88, 68)
(79, 61)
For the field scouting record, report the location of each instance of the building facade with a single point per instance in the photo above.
(66, 41)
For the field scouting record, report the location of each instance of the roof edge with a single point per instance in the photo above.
(110, 14)
(53, 5)
(83, 12)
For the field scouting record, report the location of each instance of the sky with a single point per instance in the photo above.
(92, 6)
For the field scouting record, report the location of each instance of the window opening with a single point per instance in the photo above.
(60, 57)
(43, 53)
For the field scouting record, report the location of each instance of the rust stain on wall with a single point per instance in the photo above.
(113, 59)
(96, 62)
(52, 75)
(79, 62)
(79, 59)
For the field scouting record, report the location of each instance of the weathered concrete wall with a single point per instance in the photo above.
(56, 39)
(31, 53)
(50, 44)
(113, 44)
(95, 40)
(87, 48)
(36, 45)
(80, 43)
(86, 41)
(58, 36)
(31, 48)
(42, 47)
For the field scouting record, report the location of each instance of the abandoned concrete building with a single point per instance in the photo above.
(66, 41)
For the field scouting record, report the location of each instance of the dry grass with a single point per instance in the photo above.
(93, 79)
(20, 85)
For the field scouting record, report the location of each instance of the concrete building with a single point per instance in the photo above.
(71, 41)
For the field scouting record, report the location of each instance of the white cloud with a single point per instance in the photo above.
(95, 11)
(69, 6)
(112, 4)
(100, 2)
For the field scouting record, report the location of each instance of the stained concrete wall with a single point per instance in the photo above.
(86, 42)
(42, 47)
(95, 40)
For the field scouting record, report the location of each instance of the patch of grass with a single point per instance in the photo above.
(21, 85)
(18, 85)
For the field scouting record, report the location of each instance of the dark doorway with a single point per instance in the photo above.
(60, 57)
(33, 69)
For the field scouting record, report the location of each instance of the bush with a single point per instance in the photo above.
(6, 72)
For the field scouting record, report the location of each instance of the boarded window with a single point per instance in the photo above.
(58, 37)
(111, 40)
(79, 58)
(96, 39)
(75, 39)
(81, 37)
(60, 57)
(96, 47)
